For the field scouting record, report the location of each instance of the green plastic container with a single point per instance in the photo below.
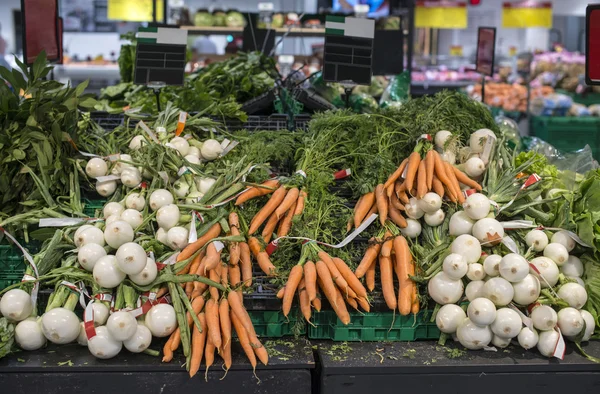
(375, 326)
(90, 207)
(272, 324)
(586, 99)
(514, 115)
(568, 134)
(12, 265)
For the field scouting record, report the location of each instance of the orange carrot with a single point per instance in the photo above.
(262, 257)
(288, 201)
(253, 192)
(370, 277)
(224, 274)
(209, 353)
(361, 209)
(388, 243)
(197, 305)
(235, 276)
(285, 225)
(438, 188)
(387, 281)
(440, 172)
(225, 324)
(192, 248)
(246, 264)
(382, 203)
(167, 352)
(280, 293)
(396, 174)
(316, 303)
(290, 288)
(198, 344)
(464, 179)
(364, 304)
(333, 270)
(352, 302)
(405, 283)
(212, 321)
(399, 187)
(370, 256)
(413, 165)
(189, 286)
(403, 197)
(300, 203)
(371, 211)
(395, 201)
(235, 304)
(430, 167)
(243, 338)
(397, 217)
(450, 172)
(234, 247)
(215, 276)
(421, 180)
(304, 302)
(310, 280)
(267, 210)
(326, 282)
(270, 227)
(212, 258)
(260, 352)
(340, 309)
(350, 278)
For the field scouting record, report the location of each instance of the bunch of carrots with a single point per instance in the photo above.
(393, 255)
(213, 312)
(415, 177)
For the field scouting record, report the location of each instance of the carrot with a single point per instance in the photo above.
(253, 192)
(438, 188)
(326, 282)
(364, 304)
(421, 180)
(430, 167)
(440, 171)
(267, 210)
(413, 165)
(234, 247)
(246, 264)
(288, 201)
(280, 293)
(215, 277)
(388, 243)
(382, 204)
(192, 248)
(395, 202)
(371, 211)
(225, 323)
(404, 282)
(212, 258)
(464, 179)
(370, 277)
(403, 197)
(197, 305)
(167, 352)
(262, 257)
(285, 225)
(304, 302)
(209, 353)
(350, 278)
(224, 275)
(457, 191)
(234, 275)
(362, 208)
(399, 187)
(336, 275)
(243, 338)
(316, 303)
(235, 303)
(310, 280)
(198, 343)
(387, 281)
(396, 174)
(352, 302)
(189, 286)
(300, 203)
(397, 218)
(370, 256)
(212, 321)
(340, 309)
(290, 288)
(261, 352)
(269, 227)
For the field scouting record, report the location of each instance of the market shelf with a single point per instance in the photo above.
(223, 30)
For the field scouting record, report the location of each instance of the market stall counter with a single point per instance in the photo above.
(71, 368)
(425, 367)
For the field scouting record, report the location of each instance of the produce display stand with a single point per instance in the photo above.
(71, 368)
(425, 367)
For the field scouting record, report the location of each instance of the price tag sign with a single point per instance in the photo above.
(265, 6)
(160, 56)
(486, 49)
(134, 11)
(524, 14)
(592, 53)
(512, 51)
(456, 50)
(441, 14)
(348, 54)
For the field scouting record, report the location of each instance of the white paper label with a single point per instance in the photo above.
(148, 131)
(59, 222)
(108, 178)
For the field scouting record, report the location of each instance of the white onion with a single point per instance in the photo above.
(16, 305)
(107, 273)
(160, 198)
(455, 266)
(147, 275)
(435, 219)
(475, 272)
(211, 149)
(140, 341)
(131, 177)
(137, 142)
(161, 320)
(499, 291)
(28, 334)
(60, 326)
(181, 145)
(413, 210)
(500, 342)
(106, 188)
(135, 201)
(491, 265)
(111, 219)
(412, 229)
(131, 258)
(481, 311)
(168, 216)
(574, 294)
(133, 217)
(472, 336)
(527, 291)
(573, 267)
(448, 156)
(548, 270)
(96, 167)
(120, 165)
(92, 235)
(562, 237)
(82, 337)
(100, 313)
(121, 325)
(467, 246)
(570, 321)
(192, 159)
(441, 137)
(508, 323)
(194, 151)
(112, 208)
(536, 240)
(557, 253)
(205, 184)
(474, 167)
(528, 338)
(88, 255)
(449, 317)
(118, 233)
(181, 188)
(478, 139)
(430, 202)
(590, 325)
(547, 342)
(488, 231)
(513, 267)
(80, 229)
(177, 238)
(161, 236)
(477, 206)
(543, 317)
(474, 289)
(103, 345)
(445, 290)
(460, 223)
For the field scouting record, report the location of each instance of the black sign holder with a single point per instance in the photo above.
(481, 58)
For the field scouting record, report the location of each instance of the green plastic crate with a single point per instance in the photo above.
(586, 99)
(91, 206)
(12, 265)
(568, 134)
(374, 326)
(514, 115)
(272, 324)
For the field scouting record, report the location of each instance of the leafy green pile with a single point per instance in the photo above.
(586, 210)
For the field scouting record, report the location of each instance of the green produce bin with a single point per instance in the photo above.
(12, 265)
(374, 326)
(272, 324)
(566, 133)
(91, 206)
(586, 99)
